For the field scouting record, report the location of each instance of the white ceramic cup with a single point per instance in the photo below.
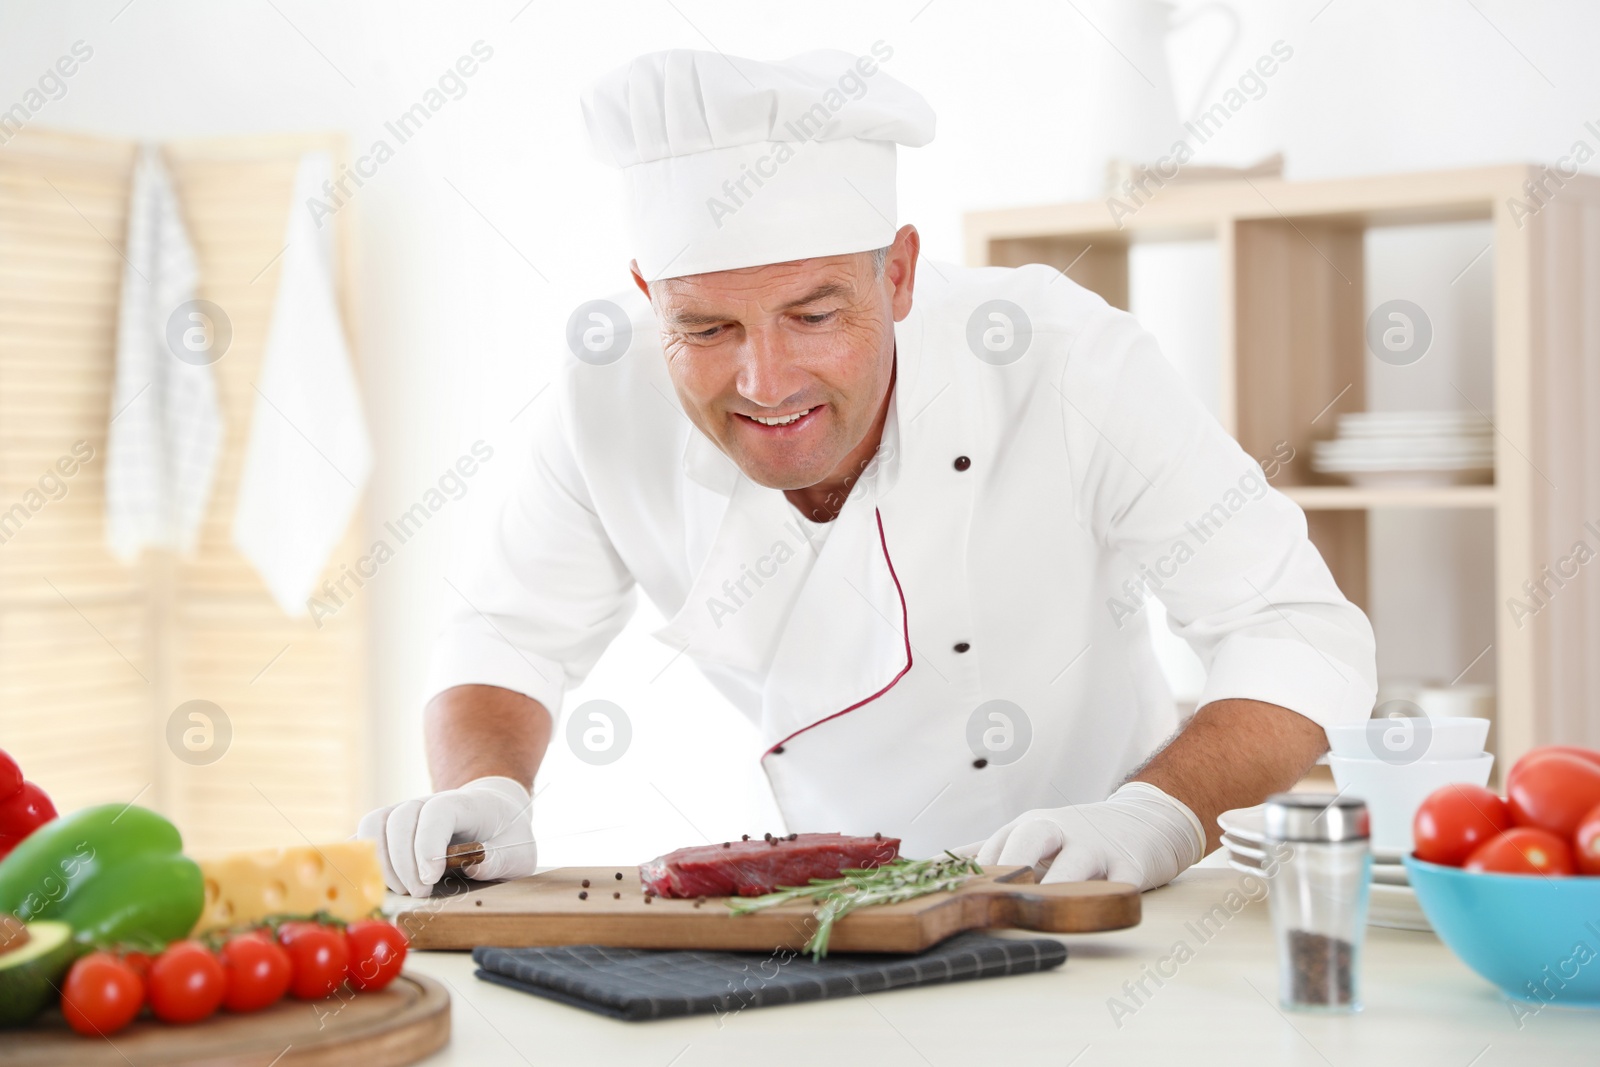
(1394, 791)
(1406, 740)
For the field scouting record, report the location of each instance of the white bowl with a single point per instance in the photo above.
(1400, 738)
(1394, 791)
(1447, 701)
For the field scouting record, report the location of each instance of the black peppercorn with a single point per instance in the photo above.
(586, 883)
(980, 763)
(583, 894)
(619, 876)
(616, 896)
(1323, 968)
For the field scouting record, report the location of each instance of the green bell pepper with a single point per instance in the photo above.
(114, 873)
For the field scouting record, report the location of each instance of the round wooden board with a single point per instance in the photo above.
(397, 1025)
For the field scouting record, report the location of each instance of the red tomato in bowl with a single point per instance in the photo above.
(1589, 754)
(1523, 850)
(1455, 820)
(1586, 842)
(1552, 791)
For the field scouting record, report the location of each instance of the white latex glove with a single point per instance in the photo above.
(412, 836)
(1140, 835)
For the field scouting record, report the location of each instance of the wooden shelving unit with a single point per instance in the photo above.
(1293, 352)
(1355, 498)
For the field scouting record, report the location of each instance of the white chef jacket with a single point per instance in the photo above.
(998, 548)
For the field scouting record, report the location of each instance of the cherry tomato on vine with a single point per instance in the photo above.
(187, 983)
(377, 952)
(139, 961)
(101, 995)
(318, 955)
(258, 972)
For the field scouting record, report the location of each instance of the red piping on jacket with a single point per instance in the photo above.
(905, 629)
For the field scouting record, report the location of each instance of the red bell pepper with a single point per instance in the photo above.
(23, 806)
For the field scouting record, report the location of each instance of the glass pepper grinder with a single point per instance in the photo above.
(1319, 843)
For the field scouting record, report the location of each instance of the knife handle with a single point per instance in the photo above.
(463, 855)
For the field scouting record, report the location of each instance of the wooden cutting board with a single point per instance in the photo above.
(400, 1024)
(546, 910)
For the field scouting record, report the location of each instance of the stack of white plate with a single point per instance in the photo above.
(1392, 902)
(1409, 448)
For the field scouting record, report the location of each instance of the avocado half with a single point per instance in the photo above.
(31, 973)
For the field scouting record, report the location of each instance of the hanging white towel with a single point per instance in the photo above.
(166, 426)
(309, 455)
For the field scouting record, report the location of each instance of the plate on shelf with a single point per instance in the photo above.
(1357, 422)
(1395, 907)
(1429, 479)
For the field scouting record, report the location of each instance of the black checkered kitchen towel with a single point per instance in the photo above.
(638, 984)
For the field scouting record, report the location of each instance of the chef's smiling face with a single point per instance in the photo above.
(787, 367)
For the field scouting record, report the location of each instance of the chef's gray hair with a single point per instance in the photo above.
(879, 256)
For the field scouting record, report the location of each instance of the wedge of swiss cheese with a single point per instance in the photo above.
(246, 887)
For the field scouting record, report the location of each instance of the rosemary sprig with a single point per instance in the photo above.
(889, 884)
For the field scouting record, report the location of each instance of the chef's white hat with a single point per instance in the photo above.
(734, 162)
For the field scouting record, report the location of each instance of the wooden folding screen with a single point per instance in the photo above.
(95, 656)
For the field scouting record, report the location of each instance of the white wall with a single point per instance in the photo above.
(485, 230)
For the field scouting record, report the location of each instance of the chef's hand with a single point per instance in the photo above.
(1140, 835)
(412, 836)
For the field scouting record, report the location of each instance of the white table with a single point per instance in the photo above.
(1423, 1008)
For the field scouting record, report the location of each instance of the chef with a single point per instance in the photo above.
(906, 515)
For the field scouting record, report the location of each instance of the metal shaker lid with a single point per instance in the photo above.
(1325, 817)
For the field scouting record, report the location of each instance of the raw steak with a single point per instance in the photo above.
(751, 868)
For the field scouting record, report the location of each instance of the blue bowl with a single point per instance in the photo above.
(1536, 938)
